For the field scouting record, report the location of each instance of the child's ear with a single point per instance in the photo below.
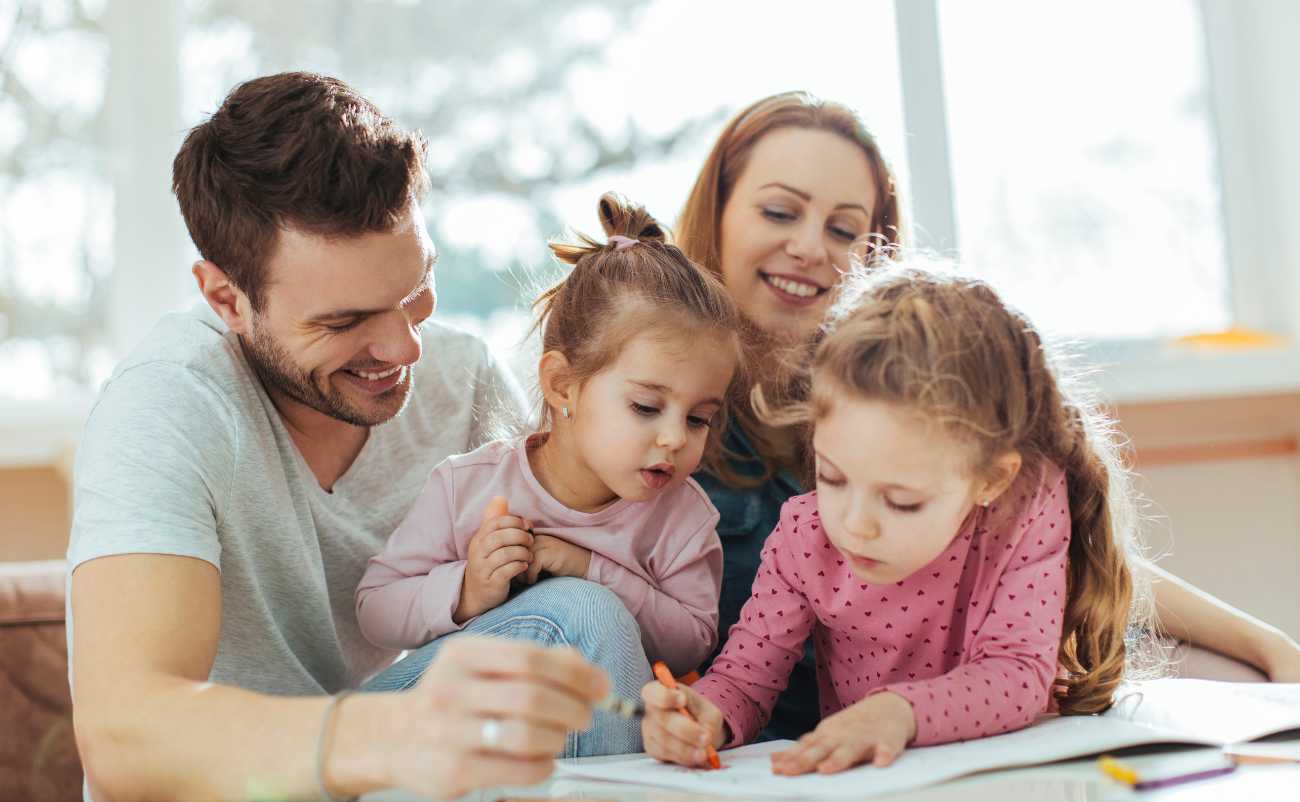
(554, 377)
(1000, 475)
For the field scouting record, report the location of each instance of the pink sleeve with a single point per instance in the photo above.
(411, 589)
(678, 613)
(763, 646)
(1006, 676)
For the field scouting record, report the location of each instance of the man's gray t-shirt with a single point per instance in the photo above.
(184, 454)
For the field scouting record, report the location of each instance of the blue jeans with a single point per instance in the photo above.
(560, 611)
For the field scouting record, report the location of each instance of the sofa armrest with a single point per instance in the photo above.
(38, 751)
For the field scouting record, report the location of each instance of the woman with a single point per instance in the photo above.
(790, 186)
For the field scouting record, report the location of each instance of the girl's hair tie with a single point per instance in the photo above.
(621, 242)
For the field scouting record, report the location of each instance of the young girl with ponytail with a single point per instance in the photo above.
(639, 350)
(963, 564)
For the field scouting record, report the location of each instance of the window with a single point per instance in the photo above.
(1068, 151)
(1084, 168)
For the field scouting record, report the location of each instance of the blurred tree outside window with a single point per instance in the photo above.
(1071, 168)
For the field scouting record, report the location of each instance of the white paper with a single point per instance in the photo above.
(1162, 711)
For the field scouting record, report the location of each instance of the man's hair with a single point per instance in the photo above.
(293, 150)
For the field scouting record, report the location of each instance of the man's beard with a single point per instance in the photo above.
(278, 371)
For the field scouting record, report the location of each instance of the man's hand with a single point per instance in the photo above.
(499, 551)
(558, 558)
(533, 696)
(877, 728)
(674, 738)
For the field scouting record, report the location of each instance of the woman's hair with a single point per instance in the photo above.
(699, 234)
(948, 347)
(635, 283)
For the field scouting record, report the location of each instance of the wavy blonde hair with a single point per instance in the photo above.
(949, 347)
(614, 293)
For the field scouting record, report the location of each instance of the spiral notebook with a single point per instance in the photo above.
(1167, 711)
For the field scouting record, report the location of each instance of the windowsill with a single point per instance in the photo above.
(40, 433)
(1148, 371)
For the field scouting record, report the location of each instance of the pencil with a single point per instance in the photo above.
(624, 708)
(666, 677)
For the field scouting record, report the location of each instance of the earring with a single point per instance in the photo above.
(564, 411)
(985, 504)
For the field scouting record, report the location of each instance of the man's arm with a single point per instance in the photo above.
(148, 723)
(150, 726)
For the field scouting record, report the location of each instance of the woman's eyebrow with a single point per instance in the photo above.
(807, 197)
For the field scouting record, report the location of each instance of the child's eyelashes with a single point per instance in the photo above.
(692, 421)
(903, 507)
(824, 480)
(829, 482)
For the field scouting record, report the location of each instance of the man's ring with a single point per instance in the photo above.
(491, 733)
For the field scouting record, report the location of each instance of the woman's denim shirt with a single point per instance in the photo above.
(749, 515)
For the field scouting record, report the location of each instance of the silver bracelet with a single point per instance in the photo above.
(323, 744)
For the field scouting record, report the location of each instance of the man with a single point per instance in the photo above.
(241, 466)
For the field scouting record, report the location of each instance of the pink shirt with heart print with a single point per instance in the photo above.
(970, 640)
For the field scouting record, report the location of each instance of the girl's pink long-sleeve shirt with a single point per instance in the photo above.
(661, 557)
(970, 640)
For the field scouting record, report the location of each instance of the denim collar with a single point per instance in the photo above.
(736, 441)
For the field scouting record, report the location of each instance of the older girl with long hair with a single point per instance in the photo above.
(791, 185)
(964, 560)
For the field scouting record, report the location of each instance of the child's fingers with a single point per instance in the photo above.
(507, 571)
(685, 730)
(664, 745)
(704, 711)
(508, 536)
(508, 554)
(801, 758)
(657, 696)
(886, 753)
(496, 507)
(535, 569)
(844, 756)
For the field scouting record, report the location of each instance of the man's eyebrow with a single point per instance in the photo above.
(338, 314)
(807, 196)
(666, 390)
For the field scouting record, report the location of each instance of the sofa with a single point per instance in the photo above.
(38, 753)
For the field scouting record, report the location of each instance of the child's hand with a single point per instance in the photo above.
(558, 558)
(877, 728)
(499, 551)
(674, 738)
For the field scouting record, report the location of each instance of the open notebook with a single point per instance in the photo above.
(1172, 711)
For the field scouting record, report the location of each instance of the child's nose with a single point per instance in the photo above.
(860, 523)
(672, 436)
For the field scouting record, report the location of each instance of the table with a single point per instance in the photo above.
(1071, 781)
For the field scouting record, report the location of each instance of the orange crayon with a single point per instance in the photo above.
(666, 677)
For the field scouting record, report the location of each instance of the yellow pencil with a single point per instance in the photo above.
(1116, 770)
